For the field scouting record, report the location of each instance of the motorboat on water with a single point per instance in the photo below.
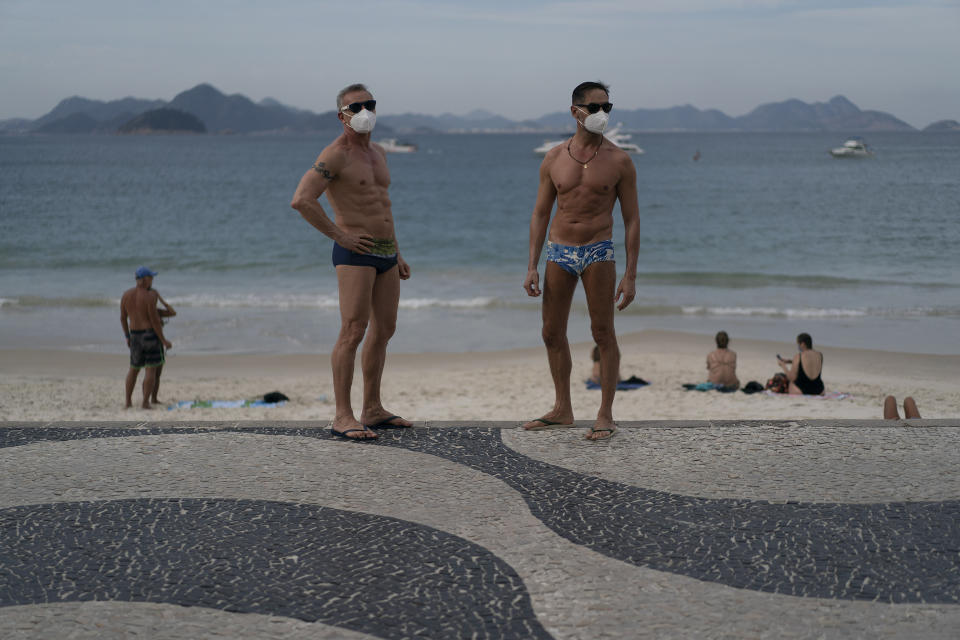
(547, 145)
(622, 140)
(393, 145)
(852, 148)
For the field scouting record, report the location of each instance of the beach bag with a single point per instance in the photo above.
(752, 387)
(778, 383)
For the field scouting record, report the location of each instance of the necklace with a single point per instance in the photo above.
(569, 153)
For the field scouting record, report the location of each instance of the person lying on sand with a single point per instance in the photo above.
(890, 412)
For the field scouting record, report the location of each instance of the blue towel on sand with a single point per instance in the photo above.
(621, 386)
(708, 386)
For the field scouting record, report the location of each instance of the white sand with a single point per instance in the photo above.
(42, 385)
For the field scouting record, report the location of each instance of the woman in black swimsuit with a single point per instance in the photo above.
(801, 382)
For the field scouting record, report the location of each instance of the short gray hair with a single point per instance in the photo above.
(350, 89)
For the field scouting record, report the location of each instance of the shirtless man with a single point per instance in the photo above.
(353, 172)
(141, 324)
(585, 176)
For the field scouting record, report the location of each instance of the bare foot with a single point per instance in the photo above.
(145, 406)
(553, 419)
(602, 429)
(383, 419)
(352, 430)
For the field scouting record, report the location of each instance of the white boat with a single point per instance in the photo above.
(852, 148)
(392, 145)
(622, 140)
(546, 146)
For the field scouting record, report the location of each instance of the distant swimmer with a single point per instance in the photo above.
(143, 330)
(353, 172)
(585, 177)
(696, 156)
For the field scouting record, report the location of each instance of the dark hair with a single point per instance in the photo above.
(722, 339)
(350, 89)
(579, 94)
(805, 339)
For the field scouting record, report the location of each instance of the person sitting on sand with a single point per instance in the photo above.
(890, 412)
(804, 370)
(594, 381)
(595, 373)
(722, 364)
(141, 324)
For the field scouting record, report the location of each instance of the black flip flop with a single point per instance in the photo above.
(386, 424)
(612, 433)
(343, 434)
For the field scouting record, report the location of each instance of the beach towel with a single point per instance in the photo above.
(633, 382)
(223, 404)
(831, 395)
(708, 386)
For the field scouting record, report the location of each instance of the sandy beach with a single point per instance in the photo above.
(50, 385)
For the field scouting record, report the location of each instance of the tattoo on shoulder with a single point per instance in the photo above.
(322, 170)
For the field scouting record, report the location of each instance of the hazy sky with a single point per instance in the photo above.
(513, 57)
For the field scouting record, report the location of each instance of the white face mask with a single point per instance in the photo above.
(363, 122)
(595, 122)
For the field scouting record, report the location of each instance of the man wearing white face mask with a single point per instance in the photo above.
(353, 172)
(585, 177)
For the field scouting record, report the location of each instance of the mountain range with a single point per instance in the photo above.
(221, 113)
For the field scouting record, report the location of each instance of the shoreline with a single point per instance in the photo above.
(511, 385)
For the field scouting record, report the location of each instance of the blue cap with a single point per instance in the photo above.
(143, 272)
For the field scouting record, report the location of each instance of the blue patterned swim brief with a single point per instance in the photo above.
(574, 260)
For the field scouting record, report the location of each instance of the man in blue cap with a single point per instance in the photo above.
(143, 329)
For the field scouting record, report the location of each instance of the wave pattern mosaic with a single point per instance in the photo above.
(393, 578)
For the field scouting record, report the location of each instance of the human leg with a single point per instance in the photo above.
(558, 288)
(130, 383)
(156, 386)
(890, 409)
(910, 410)
(599, 284)
(149, 380)
(383, 323)
(355, 285)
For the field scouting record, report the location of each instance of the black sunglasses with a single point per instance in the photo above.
(593, 107)
(355, 107)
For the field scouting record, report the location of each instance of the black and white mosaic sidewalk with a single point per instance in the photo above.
(480, 530)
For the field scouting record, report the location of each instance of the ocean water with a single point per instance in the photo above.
(766, 236)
